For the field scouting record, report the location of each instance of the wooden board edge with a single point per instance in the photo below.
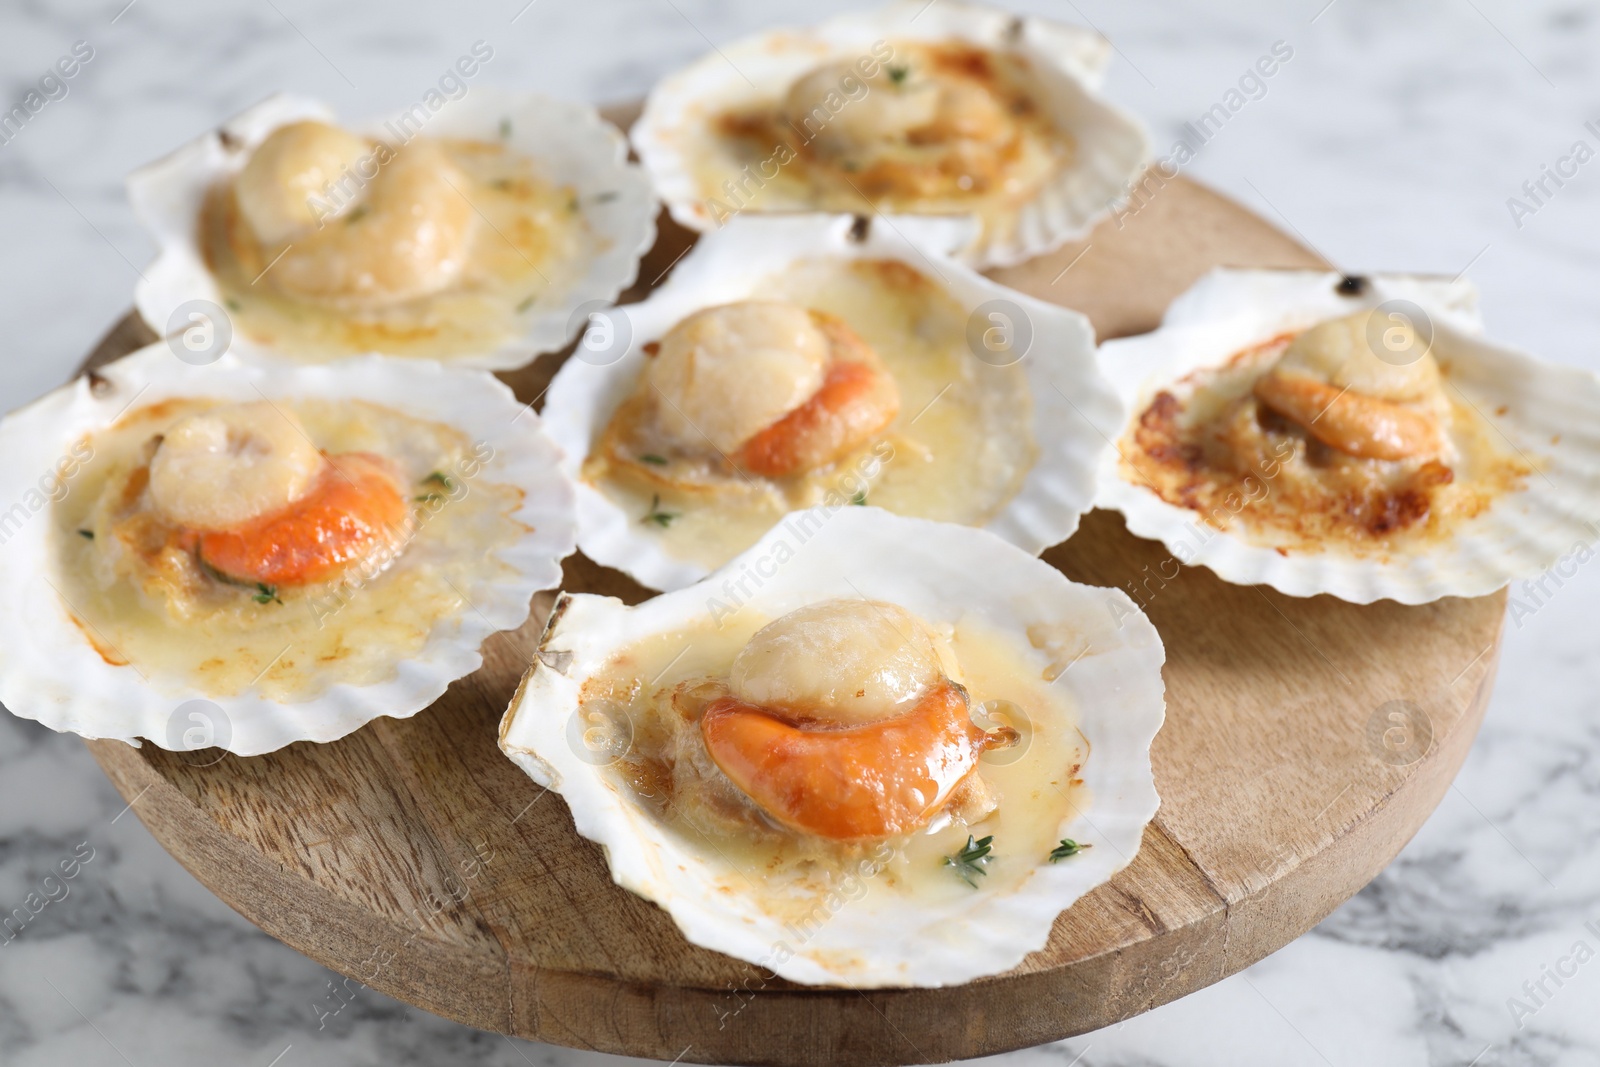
(835, 1026)
(219, 860)
(846, 1027)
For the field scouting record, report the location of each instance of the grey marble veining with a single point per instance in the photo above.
(1394, 137)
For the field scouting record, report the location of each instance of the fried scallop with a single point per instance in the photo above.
(948, 109)
(298, 549)
(813, 360)
(470, 235)
(1349, 435)
(857, 738)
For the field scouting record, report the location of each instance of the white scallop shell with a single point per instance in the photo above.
(1551, 413)
(675, 132)
(569, 143)
(1074, 409)
(940, 572)
(50, 673)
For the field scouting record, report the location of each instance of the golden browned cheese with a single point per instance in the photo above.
(940, 123)
(436, 248)
(1281, 444)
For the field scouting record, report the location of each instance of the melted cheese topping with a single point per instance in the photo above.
(287, 645)
(527, 239)
(958, 450)
(640, 737)
(1208, 445)
(942, 128)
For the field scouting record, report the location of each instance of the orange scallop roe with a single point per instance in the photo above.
(855, 401)
(354, 510)
(854, 783)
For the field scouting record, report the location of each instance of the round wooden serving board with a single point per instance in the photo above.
(415, 858)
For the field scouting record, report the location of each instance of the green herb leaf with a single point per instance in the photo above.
(898, 74)
(441, 479)
(526, 304)
(233, 305)
(657, 516)
(1066, 849)
(87, 535)
(355, 213)
(606, 197)
(971, 860)
(505, 129)
(428, 498)
(860, 499)
(266, 594)
(651, 457)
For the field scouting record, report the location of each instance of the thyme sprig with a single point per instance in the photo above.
(264, 593)
(971, 859)
(1067, 849)
(440, 479)
(661, 518)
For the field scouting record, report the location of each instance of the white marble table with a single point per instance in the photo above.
(1393, 138)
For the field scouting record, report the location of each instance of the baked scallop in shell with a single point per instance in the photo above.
(243, 555)
(1350, 435)
(871, 751)
(470, 234)
(818, 360)
(949, 109)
